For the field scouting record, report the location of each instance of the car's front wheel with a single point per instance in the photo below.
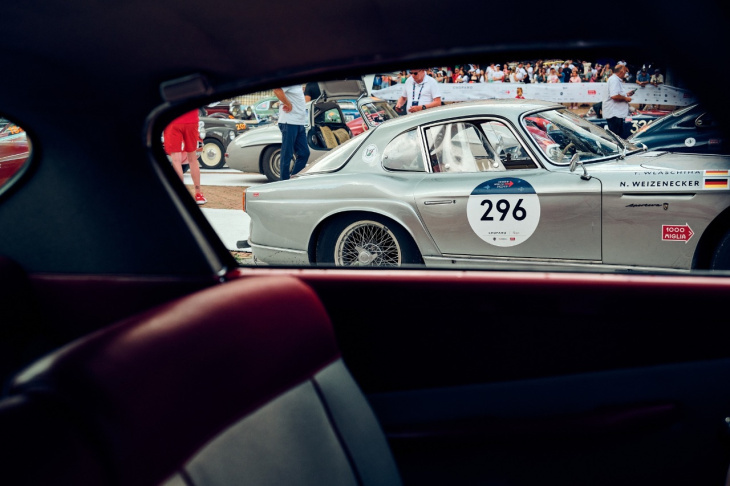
(213, 154)
(366, 240)
(272, 163)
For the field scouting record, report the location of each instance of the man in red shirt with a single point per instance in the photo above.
(181, 141)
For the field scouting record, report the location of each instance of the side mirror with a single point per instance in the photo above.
(574, 163)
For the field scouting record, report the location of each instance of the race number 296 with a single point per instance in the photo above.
(504, 212)
(503, 206)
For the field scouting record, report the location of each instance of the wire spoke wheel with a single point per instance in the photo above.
(367, 243)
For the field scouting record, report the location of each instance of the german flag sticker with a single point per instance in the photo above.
(716, 183)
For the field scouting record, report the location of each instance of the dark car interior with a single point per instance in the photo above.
(329, 129)
(135, 351)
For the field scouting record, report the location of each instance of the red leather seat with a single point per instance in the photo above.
(241, 383)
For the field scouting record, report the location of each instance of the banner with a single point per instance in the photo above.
(557, 92)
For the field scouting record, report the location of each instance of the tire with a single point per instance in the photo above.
(213, 154)
(366, 240)
(721, 255)
(272, 163)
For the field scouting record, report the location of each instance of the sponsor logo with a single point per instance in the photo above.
(676, 232)
(503, 184)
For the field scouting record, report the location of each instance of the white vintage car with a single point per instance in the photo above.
(259, 150)
(499, 183)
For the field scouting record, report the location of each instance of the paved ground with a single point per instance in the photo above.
(223, 189)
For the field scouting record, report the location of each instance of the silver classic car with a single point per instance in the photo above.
(497, 183)
(259, 150)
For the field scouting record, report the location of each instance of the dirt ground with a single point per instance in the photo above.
(221, 197)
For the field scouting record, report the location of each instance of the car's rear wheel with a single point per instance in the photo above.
(212, 155)
(366, 241)
(721, 255)
(272, 163)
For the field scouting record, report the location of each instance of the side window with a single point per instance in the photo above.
(512, 154)
(404, 153)
(460, 147)
(14, 150)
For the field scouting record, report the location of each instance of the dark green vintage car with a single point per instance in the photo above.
(689, 129)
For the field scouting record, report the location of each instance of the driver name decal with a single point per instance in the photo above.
(504, 211)
(664, 179)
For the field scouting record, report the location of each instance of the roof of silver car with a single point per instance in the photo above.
(505, 107)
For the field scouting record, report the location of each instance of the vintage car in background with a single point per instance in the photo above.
(218, 133)
(636, 120)
(267, 108)
(691, 129)
(472, 184)
(259, 150)
(14, 150)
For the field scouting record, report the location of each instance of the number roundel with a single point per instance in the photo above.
(504, 211)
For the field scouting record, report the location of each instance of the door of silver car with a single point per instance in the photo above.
(486, 196)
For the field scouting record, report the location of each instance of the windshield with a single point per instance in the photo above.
(560, 134)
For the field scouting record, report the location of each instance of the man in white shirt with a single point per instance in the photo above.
(656, 78)
(498, 75)
(520, 73)
(616, 105)
(420, 91)
(292, 121)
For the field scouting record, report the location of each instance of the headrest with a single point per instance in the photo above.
(159, 385)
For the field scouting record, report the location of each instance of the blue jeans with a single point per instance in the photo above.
(293, 142)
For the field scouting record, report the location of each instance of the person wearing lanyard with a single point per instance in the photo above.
(420, 92)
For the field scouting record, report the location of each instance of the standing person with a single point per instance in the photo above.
(292, 119)
(607, 73)
(508, 75)
(181, 141)
(616, 105)
(421, 91)
(541, 77)
(519, 96)
(490, 73)
(574, 78)
(312, 92)
(553, 76)
(530, 73)
(498, 75)
(642, 80)
(656, 78)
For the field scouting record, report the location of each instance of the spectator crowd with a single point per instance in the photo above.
(540, 71)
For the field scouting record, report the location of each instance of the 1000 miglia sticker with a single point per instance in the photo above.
(503, 212)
